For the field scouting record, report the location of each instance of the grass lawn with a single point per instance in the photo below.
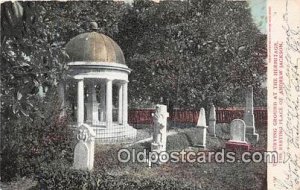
(203, 175)
(213, 175)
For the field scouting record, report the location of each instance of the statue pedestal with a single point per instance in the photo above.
(155, 147)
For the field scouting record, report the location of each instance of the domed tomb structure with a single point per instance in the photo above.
(97, 64)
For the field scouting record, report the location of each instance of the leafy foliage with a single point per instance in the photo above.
(65, 178)
(37, 58)
(193, 53)
(27, 142)
(33, 61)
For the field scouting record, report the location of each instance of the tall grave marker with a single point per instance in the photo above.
(212, 121)
(251, 135)
(201, 124)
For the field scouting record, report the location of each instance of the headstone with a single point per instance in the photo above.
(237, 130)
(81, 156)
(203, 127)
(85, 148)
(160, 129)
(237, 136)
(212, 121)
(249, 116)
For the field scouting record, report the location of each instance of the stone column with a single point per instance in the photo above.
(108, 103)
(80, 101)
(102, 101)
(120, 110)
(61, 94)
(125, 103)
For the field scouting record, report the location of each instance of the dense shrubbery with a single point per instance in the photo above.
(29, 141)
(60, 177)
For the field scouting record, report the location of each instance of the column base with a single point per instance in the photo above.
(251, 135)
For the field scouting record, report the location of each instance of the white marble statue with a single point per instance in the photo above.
(160, 128)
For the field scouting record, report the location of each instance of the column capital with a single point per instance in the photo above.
(108, 80)
(121, 83)
(78, 78)
(124, 82)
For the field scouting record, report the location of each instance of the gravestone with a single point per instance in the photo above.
(81, 156)
(237, 136)
(252, 136)
(85, 148)
(160, 129)
(201, 124)
(212, 121)
(237, 130)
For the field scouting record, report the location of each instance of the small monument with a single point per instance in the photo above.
(251, 135)
(160, 129)
(85, 148)
(237, 136)
(201, 124)
(212, 121)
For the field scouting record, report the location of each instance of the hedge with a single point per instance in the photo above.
(68, 178)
